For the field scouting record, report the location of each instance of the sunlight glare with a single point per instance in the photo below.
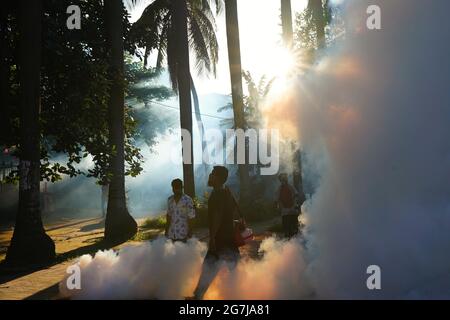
(280, 64)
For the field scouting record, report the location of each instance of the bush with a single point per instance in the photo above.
(155, 223)
(258, 210)
(201, 211)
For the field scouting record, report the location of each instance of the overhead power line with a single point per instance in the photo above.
(175, 108)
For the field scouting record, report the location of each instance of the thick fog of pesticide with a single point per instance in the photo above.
(156, 270)
(162, 269)
(373, 117)
(148, 192)
(380, 108)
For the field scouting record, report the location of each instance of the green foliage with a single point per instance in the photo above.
(305, 35)
(142, 91)
(75, 92)
(154, 31)
(257, 92)
(154, 223)
(201, 211)
(259, 210)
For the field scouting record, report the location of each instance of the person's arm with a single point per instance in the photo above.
(301, 196)
(213, 232)
(236, 210)
(215, 224)
(191, 216)
(277, 199)
(168, 219)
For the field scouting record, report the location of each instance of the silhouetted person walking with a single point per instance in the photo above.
(222, 247)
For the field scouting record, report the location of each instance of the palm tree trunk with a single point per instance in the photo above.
(234, 58)
(198, 116)
(201, 129)
(319, 20)
(5, 73)
(30, 244)
(184, 87)
(286, 23)
(4, 76)
(119, 224)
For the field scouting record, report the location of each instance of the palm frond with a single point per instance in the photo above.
(171, 57)
(163, 39)
(267, 88)
(207, 27)
(154, 31)
(199, 47)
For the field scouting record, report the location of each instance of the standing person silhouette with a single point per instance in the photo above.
(287, 203)
(222, 246)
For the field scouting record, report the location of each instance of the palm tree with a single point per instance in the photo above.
(119, 224)
(286, 23)
(234, 58)
(183, 76)
(198, 117)
(5, 66)
(30, 244)
(317, 10)
(155, 30)
(257, 93)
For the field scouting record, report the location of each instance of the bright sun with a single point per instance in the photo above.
(279, 63)
(276, 62)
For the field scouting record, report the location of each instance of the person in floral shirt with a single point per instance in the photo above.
(180, 212)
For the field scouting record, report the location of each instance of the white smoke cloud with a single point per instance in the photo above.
(380, 107)
(375, 116)
(155, 270)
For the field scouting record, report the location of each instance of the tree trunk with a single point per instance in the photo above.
(198, 116)
(184, 87)
(119, 224)
(234, 58)
(5, 130)
(30, 244)
(297, 174)
(319, 21)
(286, 20)
(286, 23)
(201, 129)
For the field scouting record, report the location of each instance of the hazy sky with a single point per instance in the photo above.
(260, 33)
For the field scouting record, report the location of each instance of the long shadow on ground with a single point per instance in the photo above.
(9, 273)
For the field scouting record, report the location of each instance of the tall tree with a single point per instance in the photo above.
(30, 244)
(319, 19)
(155, 31)
(198, 116)
(286, 23)
(5, 67)
(183, 77)
(234, 58)
(288, 39)
(119, 224)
